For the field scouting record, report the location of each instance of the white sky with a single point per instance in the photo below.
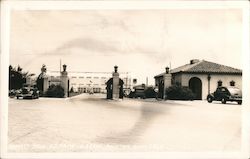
(142, 42)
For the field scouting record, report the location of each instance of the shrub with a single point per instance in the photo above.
(71, 90)
(55, 91)
(150, 93)
(178, 92)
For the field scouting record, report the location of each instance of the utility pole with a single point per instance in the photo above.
(60, 65)
(127, 80)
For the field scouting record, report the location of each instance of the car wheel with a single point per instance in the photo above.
(223, 100)
(17, 97)
(210, 99)
(239, 102)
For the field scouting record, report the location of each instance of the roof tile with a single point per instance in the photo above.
(205, 67)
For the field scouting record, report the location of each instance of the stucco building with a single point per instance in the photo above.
(83, 82)
(202, 77)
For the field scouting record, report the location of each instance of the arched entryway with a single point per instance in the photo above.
(195, 85)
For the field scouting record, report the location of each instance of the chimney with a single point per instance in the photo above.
(193, 61)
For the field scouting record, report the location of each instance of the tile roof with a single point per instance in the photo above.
(204, 67)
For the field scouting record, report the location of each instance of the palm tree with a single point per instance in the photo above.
(17, 78)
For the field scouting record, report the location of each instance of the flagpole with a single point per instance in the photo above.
(60, 65)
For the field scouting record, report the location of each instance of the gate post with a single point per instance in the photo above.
(115, 84)
(167, 77)
(64, 80)
(45, 83)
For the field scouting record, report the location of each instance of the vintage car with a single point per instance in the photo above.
(12, 93)
(28, 92)
(138, 92)
(126, 92)
(142, 91)
(224, 94)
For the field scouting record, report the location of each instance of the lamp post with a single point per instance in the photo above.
(208, 78)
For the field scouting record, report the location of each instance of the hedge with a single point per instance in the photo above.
(55, 91)
(178, 92)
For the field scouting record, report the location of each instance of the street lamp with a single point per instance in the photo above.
(208, 78)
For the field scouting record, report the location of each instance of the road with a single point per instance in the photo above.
(92, 123)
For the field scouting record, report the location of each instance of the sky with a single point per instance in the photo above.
(142, 42)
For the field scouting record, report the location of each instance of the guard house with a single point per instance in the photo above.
(202, 77)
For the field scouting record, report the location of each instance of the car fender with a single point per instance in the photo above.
(210, 95)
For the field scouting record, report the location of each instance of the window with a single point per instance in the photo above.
(73, 77)
(134, 81)
(219, 83)
(88, 77)
(232, 83)
(81, 77)
(96, 77)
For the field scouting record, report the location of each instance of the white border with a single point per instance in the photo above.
(5, 23)
(245, 113)
(137, 4)
(7, 6)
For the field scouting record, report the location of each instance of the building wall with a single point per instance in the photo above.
(177, 78)
(84, 82)
(213, 81)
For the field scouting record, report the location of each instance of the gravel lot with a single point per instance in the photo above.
(92, 123)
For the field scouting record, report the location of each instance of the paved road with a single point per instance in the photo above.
(92, 123)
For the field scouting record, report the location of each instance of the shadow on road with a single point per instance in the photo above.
(147, 114)
(148, 109)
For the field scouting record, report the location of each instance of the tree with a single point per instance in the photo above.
(16, 79)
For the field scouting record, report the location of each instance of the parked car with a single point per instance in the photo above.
(12, 93)
(28, 92)
(139, 92)
(126, 92)
(142, 91)
(224, 94)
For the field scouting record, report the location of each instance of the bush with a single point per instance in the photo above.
(55, 91)
(71, 90)
(150, 93)
(178, 92)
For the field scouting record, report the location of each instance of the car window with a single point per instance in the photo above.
(234, 90)
(223, 89)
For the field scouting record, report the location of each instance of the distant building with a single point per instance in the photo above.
(202, 77)
(84, 82)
